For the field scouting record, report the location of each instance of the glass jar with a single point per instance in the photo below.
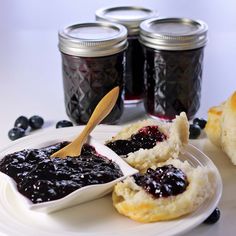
(130, 17)
(92, 64)
(173, 49)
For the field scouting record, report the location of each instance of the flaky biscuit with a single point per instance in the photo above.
(213, 126)
(177, 134)
(221, 126)
(228, 128)
(133, 201)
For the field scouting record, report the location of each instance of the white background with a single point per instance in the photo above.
(30, 63)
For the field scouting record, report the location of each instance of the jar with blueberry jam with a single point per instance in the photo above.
(130, 17)
(173, 49)
(92, 64)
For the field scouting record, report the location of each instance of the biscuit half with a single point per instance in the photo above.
(228, 128)
(133, 201)
(213, 126)
(221, 126)
(177, 134)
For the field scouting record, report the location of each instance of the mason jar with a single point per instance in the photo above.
(92, 64)
(173, 49)
(130, 17)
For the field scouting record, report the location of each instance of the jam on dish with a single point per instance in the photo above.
(87, 80)
(41, 178)
(134, 70)
(145, 138)
(172, 82)
(164, 181)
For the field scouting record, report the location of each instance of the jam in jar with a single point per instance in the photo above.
(92, 63)
(130, 17)
(173, 49)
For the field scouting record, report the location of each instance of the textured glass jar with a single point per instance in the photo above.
(130, 17)
(92, 64)
(173, 49)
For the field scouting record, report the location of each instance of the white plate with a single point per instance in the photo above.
(98, 217)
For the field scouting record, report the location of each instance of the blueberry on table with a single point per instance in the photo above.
(22, 122)
(194, 131)
(36, 122)
(64, 123)
(201, 122)
(214, 217)
(16, 133)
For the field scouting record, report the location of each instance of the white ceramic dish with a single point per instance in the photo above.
(98, 217)
(79, 196)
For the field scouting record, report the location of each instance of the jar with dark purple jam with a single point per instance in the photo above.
(130, 17)
(173, 49)
(92, 63)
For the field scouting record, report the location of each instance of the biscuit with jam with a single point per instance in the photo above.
(147, 142)
(171, 190)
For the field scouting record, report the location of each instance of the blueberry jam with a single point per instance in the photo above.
(87, 80)
(134, 70)
(145, 138)
(172, 82)
(164, 181)
(41, 178)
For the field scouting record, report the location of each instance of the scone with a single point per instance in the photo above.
(221, 126)
(172, 190)
(213, 126)
(145, 143)
(228, 128)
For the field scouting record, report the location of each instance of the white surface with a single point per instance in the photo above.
(79, 196)
(97, 217)
(31, 82)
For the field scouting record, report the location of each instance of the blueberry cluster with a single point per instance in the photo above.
(164, 181)
(196, 127)
(145, 138)
(41, 178)
(21, 125)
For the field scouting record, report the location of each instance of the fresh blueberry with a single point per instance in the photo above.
(63, 123)
(201, 122)
(36, 122)
(214, 217)
(194, 131)
(16, 133)
(22, 122)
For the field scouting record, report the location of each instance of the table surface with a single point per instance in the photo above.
(31, 81)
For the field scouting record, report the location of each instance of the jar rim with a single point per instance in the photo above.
(131, 22)
(173, 33)
(92, 39)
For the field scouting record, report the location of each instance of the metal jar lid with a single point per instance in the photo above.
(173, 34)
(129, 16)
(94, 39)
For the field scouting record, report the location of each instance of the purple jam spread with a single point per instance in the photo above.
(164, 181)
(145, 138)
(41, 178)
